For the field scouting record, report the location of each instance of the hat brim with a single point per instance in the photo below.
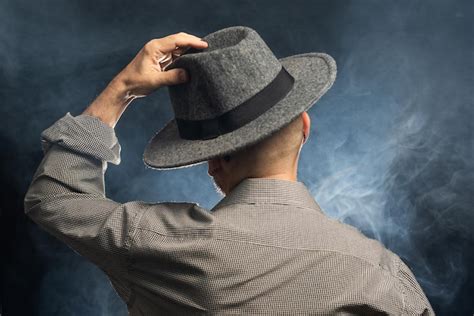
(314, 74)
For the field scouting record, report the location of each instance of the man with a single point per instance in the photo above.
(266, 247)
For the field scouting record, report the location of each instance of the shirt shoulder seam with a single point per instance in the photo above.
(275, 246)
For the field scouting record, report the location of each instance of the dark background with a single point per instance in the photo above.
(390, 151)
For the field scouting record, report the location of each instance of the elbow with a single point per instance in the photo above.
(40, 190)
(30, 200)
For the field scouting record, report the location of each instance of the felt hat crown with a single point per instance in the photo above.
(238, 93)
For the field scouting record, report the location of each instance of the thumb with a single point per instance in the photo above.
(174, 76)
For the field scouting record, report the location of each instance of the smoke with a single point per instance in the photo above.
(394, 141)
(414, 194)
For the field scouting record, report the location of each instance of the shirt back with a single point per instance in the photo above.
(265, 248)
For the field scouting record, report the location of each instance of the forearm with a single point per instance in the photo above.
(111, 102)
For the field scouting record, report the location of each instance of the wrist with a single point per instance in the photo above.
(119, 87)
(111, 102)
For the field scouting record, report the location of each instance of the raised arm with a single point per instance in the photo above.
(67, 194)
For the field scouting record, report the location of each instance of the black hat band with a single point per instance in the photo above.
(242, 114)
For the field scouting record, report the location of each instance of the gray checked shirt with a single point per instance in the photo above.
(265, 248)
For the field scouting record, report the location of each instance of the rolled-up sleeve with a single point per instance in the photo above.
(67, 195)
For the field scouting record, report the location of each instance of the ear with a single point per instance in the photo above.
(306, 124)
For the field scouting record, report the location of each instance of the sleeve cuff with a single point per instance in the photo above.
(84, 134)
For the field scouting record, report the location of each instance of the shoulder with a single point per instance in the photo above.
(356, 244)
(170, 218)
(350, 241)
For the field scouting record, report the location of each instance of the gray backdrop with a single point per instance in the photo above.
(390, 151)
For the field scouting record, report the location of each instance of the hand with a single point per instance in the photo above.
(143, 74)
(141, 77)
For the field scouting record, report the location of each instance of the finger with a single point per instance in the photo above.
(173, 76)
(170, 42)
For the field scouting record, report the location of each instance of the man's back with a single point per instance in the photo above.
(266, 247)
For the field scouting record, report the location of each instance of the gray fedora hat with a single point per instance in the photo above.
(238, 93)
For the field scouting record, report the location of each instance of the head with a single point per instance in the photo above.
(274, 157)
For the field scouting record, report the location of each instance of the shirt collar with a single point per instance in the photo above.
(270, 191)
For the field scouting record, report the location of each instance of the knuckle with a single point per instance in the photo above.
(174, 37)
(177, 36)
(148, 44)
(151, 45)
